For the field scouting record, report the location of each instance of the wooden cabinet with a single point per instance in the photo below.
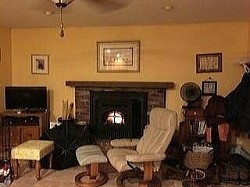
(29, 133)
(192, 129)
(194, 114)
(18, 128)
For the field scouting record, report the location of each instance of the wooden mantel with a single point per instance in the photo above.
(105, 84)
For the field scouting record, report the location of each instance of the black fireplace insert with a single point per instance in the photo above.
(118, 114)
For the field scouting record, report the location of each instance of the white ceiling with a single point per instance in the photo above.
(31, 13)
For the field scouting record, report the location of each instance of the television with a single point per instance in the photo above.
(28, 98)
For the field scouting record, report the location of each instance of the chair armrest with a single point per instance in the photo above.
(124, 142)
(145, 157)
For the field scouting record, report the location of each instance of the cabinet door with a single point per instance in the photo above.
(29, 133)
(4, 137)
(10, 136)
(14, 133)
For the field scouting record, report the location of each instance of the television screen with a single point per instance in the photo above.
(28, 98)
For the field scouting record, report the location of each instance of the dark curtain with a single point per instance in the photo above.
(237, 105)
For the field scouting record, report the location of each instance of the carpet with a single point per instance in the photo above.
(236, 170)
(66, 178)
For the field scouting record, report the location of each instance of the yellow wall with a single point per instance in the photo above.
(249, 39)
(5, 62)
(167, 54)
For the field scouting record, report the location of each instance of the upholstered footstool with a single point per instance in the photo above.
(32, 150)
(90, 156)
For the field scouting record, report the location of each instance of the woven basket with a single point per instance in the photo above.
(198, 159)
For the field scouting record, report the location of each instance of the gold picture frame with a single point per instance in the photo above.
(39, 64)
(207, 63)
(118, 56)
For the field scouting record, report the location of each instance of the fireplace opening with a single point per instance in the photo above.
(114, 117)
(118, 114)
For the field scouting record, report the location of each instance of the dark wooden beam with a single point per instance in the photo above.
(105, 84)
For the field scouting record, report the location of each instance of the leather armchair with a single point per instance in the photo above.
(149, 149)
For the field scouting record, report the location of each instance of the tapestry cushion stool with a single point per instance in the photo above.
(90, 156)
(32, 150)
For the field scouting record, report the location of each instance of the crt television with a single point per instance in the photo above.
(26, 98)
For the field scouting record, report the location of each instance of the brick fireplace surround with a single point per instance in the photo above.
(156, 93)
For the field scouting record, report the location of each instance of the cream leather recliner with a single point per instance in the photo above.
(149, 149)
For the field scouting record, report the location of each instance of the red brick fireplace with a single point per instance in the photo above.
(156, 92)
(156, 97)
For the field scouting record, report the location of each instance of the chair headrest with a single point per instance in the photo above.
(162, 118)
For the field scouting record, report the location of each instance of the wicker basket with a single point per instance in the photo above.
(198, 159)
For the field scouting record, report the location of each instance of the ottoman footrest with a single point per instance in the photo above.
(32, 150)
(90, 156)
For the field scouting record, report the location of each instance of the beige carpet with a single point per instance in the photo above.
(66, 178)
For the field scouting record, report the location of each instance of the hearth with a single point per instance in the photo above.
(118, 114)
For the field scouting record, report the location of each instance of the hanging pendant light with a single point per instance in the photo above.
(62, 4)
(61, 24)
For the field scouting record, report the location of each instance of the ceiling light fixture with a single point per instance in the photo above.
(167, 7)
(48, 13)
(61, 4)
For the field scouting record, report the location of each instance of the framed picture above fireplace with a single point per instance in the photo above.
(118, 56)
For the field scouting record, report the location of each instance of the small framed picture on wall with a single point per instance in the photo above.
(209, 63)
(40, 64)
(209, 88)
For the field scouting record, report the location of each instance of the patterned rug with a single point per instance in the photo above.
(236, 171)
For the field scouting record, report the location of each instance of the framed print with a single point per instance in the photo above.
(40, 64)
(209, 88)
(118, 56)
(207, 63)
